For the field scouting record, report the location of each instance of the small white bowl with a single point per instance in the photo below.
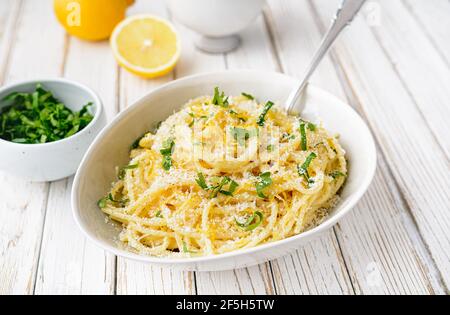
(218, 21)
(54, 160)
(111, 148)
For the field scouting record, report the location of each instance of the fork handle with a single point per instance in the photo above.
(344, 16)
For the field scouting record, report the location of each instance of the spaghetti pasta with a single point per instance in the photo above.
(225, 173)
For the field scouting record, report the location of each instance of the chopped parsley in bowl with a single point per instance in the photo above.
(38, 117)
(46, 127)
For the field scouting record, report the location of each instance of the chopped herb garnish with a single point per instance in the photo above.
(124, 169)
(287, 137)
(122, 203)
(194, 119)
(303, 169)
(231, 189)
(185, 249)
(201, 181)
(102, 202)
(166, 152)
(249, 96)
(311, 127)
(317, 144)
(219, 98)
(252, 222)
(337, 174)
(136, 142)
(242, 135)
(264, 181)
(270, 147)
(158, 214)
(39, 117)
(236, 114)
(304, 144)
(156, 128)
(219, 185)
(262, 118)
(167, 162)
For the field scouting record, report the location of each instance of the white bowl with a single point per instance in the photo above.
(111, 148)
(217, 20)
(59, 159)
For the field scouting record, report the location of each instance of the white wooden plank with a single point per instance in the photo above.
(359, 236)
(22, 203)
(413, 55)
(316, 268)
(433, 19)
(295, 36)
(69, 263)
(382, 246)
(415, 158)
(8, 21)
(134, 277)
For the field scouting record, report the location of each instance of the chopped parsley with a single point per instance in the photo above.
(123, 170)
(218, 186)
(194, 119)
(262, 118)
(159, 214)
(252, 222)
(166, 152)
(38, 117)
(219, 98)
(264, 181)
(156, 128)
(287, 137)
(249, 96)
(304, 144)
(102, 202)
(242, 135)
(185, 249)
(231, 189)
(201, 181)
(232, 112)
(121, 203)
(303, 169)
(303, 126)
(337, 174)
(270, 148)
(136, 142)
(311, 127)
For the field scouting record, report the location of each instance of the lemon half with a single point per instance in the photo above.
(146, 45)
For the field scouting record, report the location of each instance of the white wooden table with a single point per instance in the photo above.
(392, 65)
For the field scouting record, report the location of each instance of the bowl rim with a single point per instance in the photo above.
(96, 100)
(352, 200)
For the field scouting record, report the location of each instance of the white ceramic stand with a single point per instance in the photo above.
(218, 45)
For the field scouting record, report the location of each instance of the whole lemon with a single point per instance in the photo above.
(90, 19)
